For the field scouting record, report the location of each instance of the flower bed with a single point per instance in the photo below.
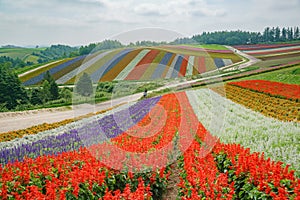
(232, 172)
(38, 78)
(153, 66)
(157, 74)
(277, 89)
(11, 135)
(234, 123)
(91, 132)
(278, 108)
(101, 71)
(70, 175)
(142, 66)
(133, 162)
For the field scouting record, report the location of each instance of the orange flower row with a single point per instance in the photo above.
(277, 89)
(282, 109)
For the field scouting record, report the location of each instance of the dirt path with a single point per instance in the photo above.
(10, 121)
(172, 188)
(252, 60)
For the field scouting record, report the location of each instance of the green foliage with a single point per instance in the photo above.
(46, 91)
(245, 37)
(12, 92)
(36, 97)
(84, 86)
(66, 93)
(15, 63)
(83, 50)
(55, 52)
(52, 88)
(105, 45)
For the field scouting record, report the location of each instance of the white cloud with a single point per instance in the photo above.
(99, 19)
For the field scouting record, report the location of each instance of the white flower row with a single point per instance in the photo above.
(234, 123)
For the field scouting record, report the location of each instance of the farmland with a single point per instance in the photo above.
(138, 64)
(237, 139)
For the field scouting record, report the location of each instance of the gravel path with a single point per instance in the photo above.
(252, 60)
(10, 121)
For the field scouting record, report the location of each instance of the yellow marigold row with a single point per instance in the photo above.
(282, 109)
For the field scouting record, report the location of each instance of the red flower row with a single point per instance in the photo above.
(288, 91)
(73, 174)
(226, 171)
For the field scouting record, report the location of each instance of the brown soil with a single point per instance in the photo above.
(172, 188)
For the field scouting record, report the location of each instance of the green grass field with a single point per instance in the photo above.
(18, 52)
(209, 46)
(213, 47)
(24, 54)
(289, 75)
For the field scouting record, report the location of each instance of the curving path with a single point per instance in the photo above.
(252, 60)
(10, 121)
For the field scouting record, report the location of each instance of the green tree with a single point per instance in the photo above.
(296, 33)
(290, 34)
(46, 91)
(36, 96)
(53, 89)
(283, 34)
(277, 34)
(65, 93)
(12, 93)
(84, 86)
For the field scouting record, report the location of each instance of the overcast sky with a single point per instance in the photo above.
(80, 22)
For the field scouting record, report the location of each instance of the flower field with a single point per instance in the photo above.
(132, 151)
(282, 90)
(271, 52)
(270, 106)
(137, 64)
(236, 124)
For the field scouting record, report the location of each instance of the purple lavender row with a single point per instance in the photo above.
(89, 134)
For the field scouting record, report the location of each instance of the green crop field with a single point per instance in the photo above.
(289, 75)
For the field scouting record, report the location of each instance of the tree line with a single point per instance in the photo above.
(14, 96)
(269, 35)
(55, 52)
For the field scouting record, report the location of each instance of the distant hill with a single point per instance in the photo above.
(11, 46)
(21, 56)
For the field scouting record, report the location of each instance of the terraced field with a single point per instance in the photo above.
(163, 62)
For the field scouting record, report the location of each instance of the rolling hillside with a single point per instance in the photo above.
(24, 54)
(143, 63)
